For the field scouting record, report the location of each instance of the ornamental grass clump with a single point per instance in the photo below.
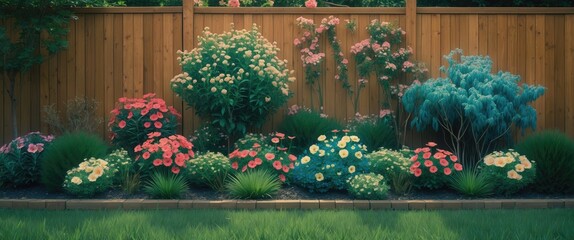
(91, 177)
(20, 160)
(209, 169)
(330, 163)
(166, 155)
(253, 184)
(239, 74)
(134, 118)
(509, 170)
(267, 153)
(368, 186)
(433, 167)
(472, 183)
(166, 186)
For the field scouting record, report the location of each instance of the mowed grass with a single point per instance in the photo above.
(223, 224)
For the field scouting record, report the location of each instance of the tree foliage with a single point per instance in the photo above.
(473, 107)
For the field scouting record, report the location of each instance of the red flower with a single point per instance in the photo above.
(252, 153)
(153, 117)
(444, 162)
(453, 158)
(433, 169)
(427, 155)
(270, 156)
(180, 161)
(167, 162)
(282, 177)
(157, 162)
(157, 124)
(147, 124)
(292, 158)
(146, 155)
(167, 154)
(428, 163)
(144, 112)
(130, 115)
(425, 149)
(431, 144)
(235, 165)
(447, 171)
(258, 161)
(32, 148)
(280, 135)
(256, 145)
(439, 155)
(244, 153)
(418, 172)
(234, 153)
(175, 170)
(414, 158)
(277, 165)
(458, 167)
(122, 124)
(417, 164)
(244, 168)
(275, 140)
(285, 169)
(252, 164)
(137, 148)
(413, 168)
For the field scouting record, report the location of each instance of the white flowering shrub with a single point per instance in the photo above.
(368, 186)
(234, 79)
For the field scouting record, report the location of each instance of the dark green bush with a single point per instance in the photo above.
(553, 153)
(209, 138)
(375, 132)
(306, 126)
(67, 152)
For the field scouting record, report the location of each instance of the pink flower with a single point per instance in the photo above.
(244, 168)
(144, 112)
(275, 140)
(146, 155)
(417, 164)
(235, 165)
(167, 162)
(431, 144)
(433, 169)
(418, 172)
(153, 117)
(285, 169)
(428, 163)
(258, 161)
(147, 124)
(252, 153)
(414, 158)
(458, 167)
(311, 4)
(439, 155)
(453, 158)
(427, 155)
(282, 177)
(444, 162)
(122, 124)
(244, 153)
(233, 3)
(32, 148)
(280, 135)
(252, 164)
(40, 147)
(447, 171)
(296, 42)
(425, 149)
(157, 162)
(270, 156)
(345, 61)
(175, 170)
(157, 125)
(277, 165)
(256, 145)
(292, 158)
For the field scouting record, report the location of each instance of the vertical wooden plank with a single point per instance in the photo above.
(168, 56)
(569, 73)
(23, 95)
(473, 27)
(90, 69)
(188, 25)
(493, 40)
(435, 54)
(227, 20)
(148, 59)
(189, 113)
(482, 35)
(521, 59)
(502, 32)
(445, 35)
(118, 56)
(512, 44)
(279, 37)
(176, 69)
(549, 72)
(99, 81)
(36, 112)
(352, 38)
(71, 62)
(411, 23)
(138, 74)
(540, 70)
(128, 55)
(80, 56)
(463, 32)
(559, 73)
(109, 100)
(426, 39)
(158, 54)
(61, 80)
(240, 24)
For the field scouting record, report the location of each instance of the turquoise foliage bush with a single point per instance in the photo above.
(330, 163)
(21, 159)
(474, 107)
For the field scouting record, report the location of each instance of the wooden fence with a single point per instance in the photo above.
(117, 52)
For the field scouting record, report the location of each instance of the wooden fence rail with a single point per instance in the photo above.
(115, 52)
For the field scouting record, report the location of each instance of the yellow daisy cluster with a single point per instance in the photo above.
(501, 159)
(94, 167)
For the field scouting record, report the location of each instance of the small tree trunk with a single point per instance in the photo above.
(11, 76)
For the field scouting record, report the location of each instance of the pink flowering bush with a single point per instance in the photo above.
(311, 4)
(269, 154)
(164, 154)
(432, 166)
(20, 159)
(134, 118)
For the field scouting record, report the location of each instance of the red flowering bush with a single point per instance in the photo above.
(20, 160)
(167, 153)
(134, 118)
(432, 166)
(268, 154)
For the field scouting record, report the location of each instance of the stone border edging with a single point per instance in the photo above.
(143, 204)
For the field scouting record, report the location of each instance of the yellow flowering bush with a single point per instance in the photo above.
(92, 176)
(330, 163)
(239, 74)
(509, 170)
(370, 186)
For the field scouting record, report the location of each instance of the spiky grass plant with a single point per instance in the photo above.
(472, 183)
(253, 185)
(163, 186)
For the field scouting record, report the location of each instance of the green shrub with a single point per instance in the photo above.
(121, 163)
(65, 153)
(375, 132)
(509, 170)
(256, 184)
(209, 169)
(209, 138)
(369, 186)
(166, 186)
(386, 162)
(329, 164)
(239, 74)
(306, 125)
(91, 177)
(20, 160)
(401, 183)
(553, 152)
(472, 183)
(432, 167)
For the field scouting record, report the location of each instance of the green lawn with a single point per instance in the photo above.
(221, 224)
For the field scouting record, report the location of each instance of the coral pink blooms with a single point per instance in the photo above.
(233, 3)
(157, 162)
(418, 172)
(32, 148)
(285, 169)
(175, 170)
(122, 124)
(311, 4)
(292, 158)
(252, 153)
(252, 164)
(427, 155)
(258, 161)
(453, 158)
(244, 168)
(146, 155)
(282, 177)
(431, 144)
(277, 165)
(157, 125)
(275, 140)
(433, 169)
(235, 165)
(443, 162)
(167, 162)
(428, 163)
(447, 171)
(458, 167)
(270, 156)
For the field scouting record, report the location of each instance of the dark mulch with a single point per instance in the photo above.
(286, 193)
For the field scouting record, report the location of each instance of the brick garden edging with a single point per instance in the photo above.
(140, 204)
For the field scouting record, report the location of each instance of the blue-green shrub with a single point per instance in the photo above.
(330, 163)
(475, 108)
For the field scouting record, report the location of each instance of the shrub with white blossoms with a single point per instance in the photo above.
(234, 79)
(91, 177)
(389, 162)
(369, 186)
(509, 170)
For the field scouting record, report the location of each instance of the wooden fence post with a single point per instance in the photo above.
(411, 15)
(188, 33)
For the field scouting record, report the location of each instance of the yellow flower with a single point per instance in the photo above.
(98, 171)
(513, 175)
(346, 139)
(522, 158)
(488, 160)
(355, 139)
(319, 177)
(92, 177)
(321, 138)
(89, 169)
(342, 144)
(313, 149)
(359, 155)
(500, 162)
(519, 168)
(321, 153)
(527, 164)
(509, 159)
(305, 160)
(76, 180)
(343, 153)
(351, 169)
